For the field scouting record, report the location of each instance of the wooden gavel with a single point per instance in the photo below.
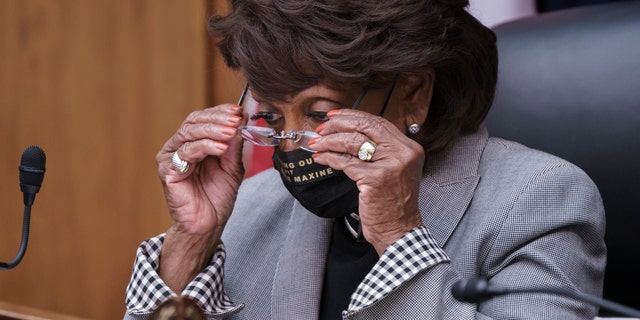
(178, 308)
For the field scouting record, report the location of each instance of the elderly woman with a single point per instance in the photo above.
(386, 189)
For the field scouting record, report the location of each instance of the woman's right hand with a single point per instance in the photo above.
(201, 199)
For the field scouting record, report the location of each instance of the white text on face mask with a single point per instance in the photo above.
(288, 174)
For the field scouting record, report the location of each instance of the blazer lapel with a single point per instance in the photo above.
(445, 193)
(448, 185)
(297, 285)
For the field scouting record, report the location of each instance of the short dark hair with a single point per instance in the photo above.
(296, 44)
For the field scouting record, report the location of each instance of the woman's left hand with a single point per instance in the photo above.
(388, 182)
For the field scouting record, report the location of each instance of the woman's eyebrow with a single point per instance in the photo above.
(327, 99)
(340, 99)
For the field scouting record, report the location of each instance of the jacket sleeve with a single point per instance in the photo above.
(146, 290)
(551, 236)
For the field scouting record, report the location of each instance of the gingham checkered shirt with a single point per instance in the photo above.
(414, 252)
(146, 290)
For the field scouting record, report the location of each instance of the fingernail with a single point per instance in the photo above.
(235, 107)
(333, 113)
(234, 118)
(315, 154)
(321, 126)
(228, 130)
(314, 140)
(221, 146)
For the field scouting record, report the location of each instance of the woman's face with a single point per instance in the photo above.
(308, 109)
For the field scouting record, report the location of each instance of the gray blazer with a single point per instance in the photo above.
(500, 210)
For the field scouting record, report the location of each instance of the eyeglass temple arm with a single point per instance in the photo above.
(244, 92)
(356, 104)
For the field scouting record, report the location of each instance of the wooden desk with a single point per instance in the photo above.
(9, 311)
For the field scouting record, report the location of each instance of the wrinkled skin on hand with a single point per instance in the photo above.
(388, 183)
(201, 199)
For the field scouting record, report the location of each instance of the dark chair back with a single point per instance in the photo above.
(569, 84)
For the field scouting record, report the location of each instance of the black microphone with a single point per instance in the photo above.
(476, 290)
(32, 168)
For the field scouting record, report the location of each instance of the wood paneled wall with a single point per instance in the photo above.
(99, 85)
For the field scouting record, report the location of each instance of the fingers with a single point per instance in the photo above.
(218, 123)
(343, 138)
(204, 133)
(346, 120)
(388, 181)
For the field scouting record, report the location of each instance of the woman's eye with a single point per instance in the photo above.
(318, 115)
(269, 117)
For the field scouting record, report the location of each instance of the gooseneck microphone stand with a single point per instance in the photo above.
(32, 168)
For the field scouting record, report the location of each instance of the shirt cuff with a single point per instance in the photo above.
(415, 251)
(146, 290)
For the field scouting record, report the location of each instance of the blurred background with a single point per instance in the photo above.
(100, 85)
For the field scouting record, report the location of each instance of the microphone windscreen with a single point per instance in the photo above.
(458, 290)
(32, 166)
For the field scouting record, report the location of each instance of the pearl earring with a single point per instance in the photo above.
(413, 129)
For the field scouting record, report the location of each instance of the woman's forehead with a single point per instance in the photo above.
(316, 91)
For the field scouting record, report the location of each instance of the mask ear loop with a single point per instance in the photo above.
(356, 104)
(357, 234)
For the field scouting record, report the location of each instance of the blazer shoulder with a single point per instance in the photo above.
(512, 155)
(508, 162)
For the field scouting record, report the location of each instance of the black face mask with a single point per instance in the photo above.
(326, 192)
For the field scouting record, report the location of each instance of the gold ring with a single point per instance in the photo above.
(180, 165)
(366, 151)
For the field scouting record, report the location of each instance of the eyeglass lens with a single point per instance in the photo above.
(263, 136)
(268, 137)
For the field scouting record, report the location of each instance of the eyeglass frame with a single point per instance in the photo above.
(294, 135)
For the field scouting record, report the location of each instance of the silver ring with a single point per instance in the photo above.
(180, 165)
(366, 151)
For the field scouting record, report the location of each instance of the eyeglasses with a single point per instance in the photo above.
(263, 136)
